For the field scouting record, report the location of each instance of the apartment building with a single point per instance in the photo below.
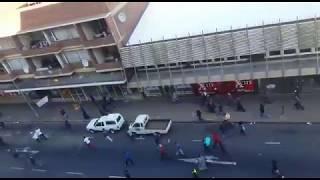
(67, 50)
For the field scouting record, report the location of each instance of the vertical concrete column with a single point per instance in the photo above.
(236, 69)
(281, 49)
(154, 62)
(190, 55)
(92, 56)
(144, 62)
(316, 40)
(205, 56)
(46, 36)
(164, 48)
(219, 54)
(61, 60)
(17, 42)
(80, 32)
(6, 66)
(134, 68)
(177, 51)
(298, 38)
(249, 49)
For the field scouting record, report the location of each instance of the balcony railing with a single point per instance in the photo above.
(66, 71)
(107, 67)
(7, 77)
(8, 52)
(99, 41)
(42, 50)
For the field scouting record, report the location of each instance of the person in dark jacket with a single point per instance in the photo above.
(199, 115)
(261, 110)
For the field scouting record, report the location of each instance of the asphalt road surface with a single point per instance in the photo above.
(295, 146)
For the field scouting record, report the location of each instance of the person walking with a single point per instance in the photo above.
(87, 142)
(163, 153)
(179, 150)
(199, 115)
(207, 143)
(239, 105)
(242, 128)
(128, 159)
(217, 141)
(157, 139)
(261, 110)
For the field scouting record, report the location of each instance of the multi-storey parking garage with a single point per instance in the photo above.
(281, 50)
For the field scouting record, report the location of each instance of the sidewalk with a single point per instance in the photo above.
(180, 112)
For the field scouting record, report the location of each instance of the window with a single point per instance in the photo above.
(99, 124)
(161, 65)
(231, 58)
(110, 122)
(118, 118)
(274, 53)
(305, 50)
(17, 64)
(136, 125)
(289, 51)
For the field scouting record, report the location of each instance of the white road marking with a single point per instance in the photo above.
(196, 140)
(40, 170)
(17, 168)
(140, 138)
(309, 123)
(271, 142)
(75, 173)
(222, 162)
(109, 138)
(259, 154)
(169, 140)
(116, 177)
(6, 135)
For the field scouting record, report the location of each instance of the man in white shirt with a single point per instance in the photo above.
(87, 141)
(37, 134)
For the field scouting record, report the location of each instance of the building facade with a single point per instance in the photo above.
(252, 55)
(67, 51)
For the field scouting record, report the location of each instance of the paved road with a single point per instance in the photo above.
(63, 155)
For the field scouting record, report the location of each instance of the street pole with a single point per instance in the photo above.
(25, 98)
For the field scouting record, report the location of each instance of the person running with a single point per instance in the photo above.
(128, 159)
(179, 151)
(261, 110)
(87, 142)
(217, 141)
(242, 128)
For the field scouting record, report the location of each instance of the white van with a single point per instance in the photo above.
(111, 122)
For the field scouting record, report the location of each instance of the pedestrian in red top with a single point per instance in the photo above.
(217, 141)
(163, 153)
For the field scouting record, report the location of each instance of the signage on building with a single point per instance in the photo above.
(225, 87)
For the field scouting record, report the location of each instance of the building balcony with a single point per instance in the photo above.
(49, 73)
(7, 77)
(9, 52)
(97, 42)
(108, 67)
(69, 43)
(36, 51)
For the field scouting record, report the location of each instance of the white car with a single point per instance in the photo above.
(111, 122)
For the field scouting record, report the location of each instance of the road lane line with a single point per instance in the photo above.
(109, 138)
(116, 177)
(40, 170)
(196, 140)
(222, 162)
(140, 138)
(270, 142)
(17, 168)
(75, 173)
